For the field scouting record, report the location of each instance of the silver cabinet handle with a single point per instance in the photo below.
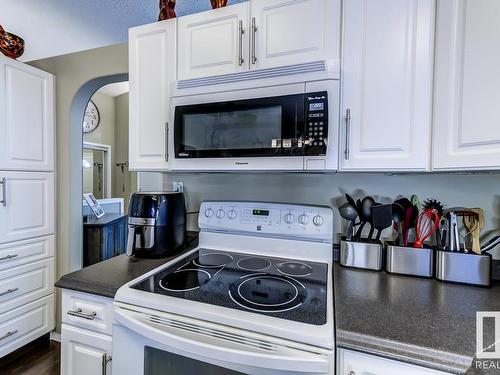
(80, 314)
(166, 141)
(347, 151)
(105, 360)
(8, 334)
(3, 182)
(241, 32)
(8, 291)
(10, 256)
(254, 32)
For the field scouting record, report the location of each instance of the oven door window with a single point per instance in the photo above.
(255, 127)
(159, 362)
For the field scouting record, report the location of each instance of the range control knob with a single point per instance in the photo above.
(289, 219)
(303, 219)
(209, 212)
(231, 214)
(318, 220)
(220, 213)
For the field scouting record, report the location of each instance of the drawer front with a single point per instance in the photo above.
(87, 311)
(26, 323)
(18, 253)
(26, 283)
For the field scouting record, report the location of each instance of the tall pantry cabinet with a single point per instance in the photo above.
(27, 204)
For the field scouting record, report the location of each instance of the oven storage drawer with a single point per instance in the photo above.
(27, 283)
(87, 311)
(26, 323)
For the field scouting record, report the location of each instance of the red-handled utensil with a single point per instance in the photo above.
(427, 224)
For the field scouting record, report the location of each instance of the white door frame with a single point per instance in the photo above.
(107, 161)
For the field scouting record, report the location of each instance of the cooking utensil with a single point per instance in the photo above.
(490, 244)
(435, 204)
(427, 224)
(398, 213)
(381, 218)
(415, 200)
(443, 233)
(372, 227)
(454, 214)
(365, 214)
(474, 226)
(351, 201)
(454, 242)
(350, 213)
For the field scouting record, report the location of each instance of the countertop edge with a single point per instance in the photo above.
(416, 355)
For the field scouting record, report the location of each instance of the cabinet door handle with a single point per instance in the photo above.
(80, 314)
(104, 363)
(241, 32)
(3, 182)
(254, 42)
(9, 291)
(347, 151)
(8, 334)
(10, 256)
(166, 141)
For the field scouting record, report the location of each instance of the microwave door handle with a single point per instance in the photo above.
(223, 348)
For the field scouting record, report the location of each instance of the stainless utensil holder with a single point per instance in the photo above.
(409, 261)
(363, 255)
(463, 268)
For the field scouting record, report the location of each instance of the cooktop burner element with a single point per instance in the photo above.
(254, 264)
(298, 269)
(247, 282)
(213, 260)
(184, 280)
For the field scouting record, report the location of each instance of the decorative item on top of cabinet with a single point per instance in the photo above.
(11, 45)
(218, 3)
(167, 10)
(387, 85)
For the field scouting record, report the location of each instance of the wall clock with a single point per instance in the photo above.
(92, 118)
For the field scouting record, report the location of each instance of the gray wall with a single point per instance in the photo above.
(469, 190)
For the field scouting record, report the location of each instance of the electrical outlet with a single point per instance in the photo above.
(178, 186)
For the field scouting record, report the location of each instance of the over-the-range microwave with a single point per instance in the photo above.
(282, 128)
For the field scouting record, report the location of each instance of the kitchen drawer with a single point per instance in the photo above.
(26, 323)
(18, 253)
(27, 283)
(87, 311)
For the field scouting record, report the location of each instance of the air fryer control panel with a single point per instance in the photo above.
(316, 130)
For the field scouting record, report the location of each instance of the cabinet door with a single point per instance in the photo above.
(84, 352)
(152, 66)
(214, 42)
(26, 205)
(467, 94)
(387, 84)
(289, 32)
(357, 363)
(26, 117)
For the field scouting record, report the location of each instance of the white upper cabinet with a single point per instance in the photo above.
(152, 66)
(214, 42)
(26, 117)
(387, 84)
(467, 86)
(289, 32)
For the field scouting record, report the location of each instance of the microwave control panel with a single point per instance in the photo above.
(316, 129)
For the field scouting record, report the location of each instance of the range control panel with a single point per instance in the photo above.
(279, 220)
(316, 136)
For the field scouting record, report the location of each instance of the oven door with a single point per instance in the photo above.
(157, 343)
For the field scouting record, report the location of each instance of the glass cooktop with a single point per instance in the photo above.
(282, 288)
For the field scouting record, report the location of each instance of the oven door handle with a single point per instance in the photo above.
(178, 333)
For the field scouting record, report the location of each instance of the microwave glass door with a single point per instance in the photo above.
(159, 362)
(244, 128)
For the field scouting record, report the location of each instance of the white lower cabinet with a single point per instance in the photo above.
(356, 363)
(84, 352)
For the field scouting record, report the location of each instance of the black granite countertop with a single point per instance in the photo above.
(105, 278)
(420, 321)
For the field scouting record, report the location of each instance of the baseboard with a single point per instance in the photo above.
(55, 336)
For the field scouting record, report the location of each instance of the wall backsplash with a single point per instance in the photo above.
(469, 190)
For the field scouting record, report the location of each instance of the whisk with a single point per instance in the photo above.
(427, 224)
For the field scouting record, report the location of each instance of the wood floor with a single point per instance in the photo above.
(41, 357)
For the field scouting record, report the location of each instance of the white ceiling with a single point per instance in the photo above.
(114, 89)
(57, 27)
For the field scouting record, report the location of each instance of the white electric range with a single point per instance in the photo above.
(255, 297)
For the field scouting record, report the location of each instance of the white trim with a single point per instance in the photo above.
(55, 336)
(108, 157)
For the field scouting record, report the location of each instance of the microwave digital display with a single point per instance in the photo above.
(316, 106)
(261, 212)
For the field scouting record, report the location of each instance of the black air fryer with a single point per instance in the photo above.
(156, 224)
